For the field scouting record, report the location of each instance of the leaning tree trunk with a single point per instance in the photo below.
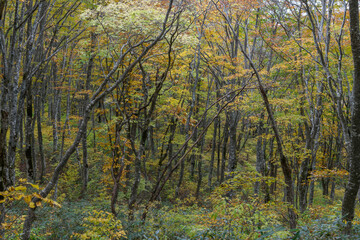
(287, 171)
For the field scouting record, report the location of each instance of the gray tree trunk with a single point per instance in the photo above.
(233, 122)
(260, 156)
(224, 150)
(213, 149)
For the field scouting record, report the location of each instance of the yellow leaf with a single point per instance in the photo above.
(4, 194)
(27, 199)
(38, 203)
(20, 188)
(35, 186)
(32, 205)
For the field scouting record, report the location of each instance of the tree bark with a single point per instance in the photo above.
(348, 206)
(260, 156)
(213, 149)
(233, 122)
(224, 150)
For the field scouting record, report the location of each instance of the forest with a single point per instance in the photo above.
(179, 119)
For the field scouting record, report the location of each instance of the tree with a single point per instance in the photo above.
(348, 206)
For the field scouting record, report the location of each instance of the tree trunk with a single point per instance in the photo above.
(224, 150)
(40, 141)
(213, 149)
(260, 156)
(55, 111)
(117, 168)
(28, 138)
(348, 206)
(233, 122)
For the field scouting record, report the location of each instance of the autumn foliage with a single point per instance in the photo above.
(174, 119)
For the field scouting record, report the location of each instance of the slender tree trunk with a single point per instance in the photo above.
(117, 168)
(224, 150)
(171, 138)
(28, 138)
(137, 173)
(233, 122)
(213, 149)
(200, 176)
(40, 141)
(260, 156)
(55, 111)
(193, 158)
(339, 147)
(271, 172)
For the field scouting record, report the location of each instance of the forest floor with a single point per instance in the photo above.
(213, 218)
